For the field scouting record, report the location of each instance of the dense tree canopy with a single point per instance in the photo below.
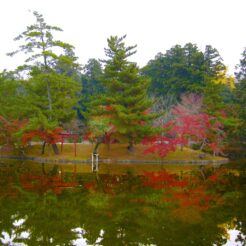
(91, 85)
(183, 69)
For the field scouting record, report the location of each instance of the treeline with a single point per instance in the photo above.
(115, 100)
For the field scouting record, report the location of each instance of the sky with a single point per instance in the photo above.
(154, 25)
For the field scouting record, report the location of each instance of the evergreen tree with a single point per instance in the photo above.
(50, 67)
(91, 84)
(125, 101)
(40, 45)
(241, 96)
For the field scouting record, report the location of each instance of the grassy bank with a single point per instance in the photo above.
(115, 152)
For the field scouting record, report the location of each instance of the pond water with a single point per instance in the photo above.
(50, 204)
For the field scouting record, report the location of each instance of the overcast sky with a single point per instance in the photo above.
(154, 25)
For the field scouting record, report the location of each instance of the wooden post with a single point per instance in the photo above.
(62, 145)
(74, 148)
(96, 162)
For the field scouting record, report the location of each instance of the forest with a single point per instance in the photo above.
(184, 96)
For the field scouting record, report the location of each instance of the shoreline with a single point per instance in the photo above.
(113, 161)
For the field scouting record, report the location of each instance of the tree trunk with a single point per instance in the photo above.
(181, 147)
(204, 141)
(130, 146)
(43, 148)
(49, 99)
(99, 140)
(55, 149)
(96, 147)
(43, 169)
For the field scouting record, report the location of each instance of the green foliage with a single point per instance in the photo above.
(241, 96)
(91, 84)
(98, 200)
(64, 93)
(50, 75)
(125, 100)
(13, 98)
(183, 69)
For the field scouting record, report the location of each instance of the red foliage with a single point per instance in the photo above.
(160, 144)
(163, 144)
(189, 125)
(193, 126)
(50, 137)
(87, 135)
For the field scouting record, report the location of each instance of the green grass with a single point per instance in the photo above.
(115, 152)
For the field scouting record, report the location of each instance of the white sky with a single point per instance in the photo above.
(154, 25)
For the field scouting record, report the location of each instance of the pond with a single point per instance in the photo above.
(51, 204)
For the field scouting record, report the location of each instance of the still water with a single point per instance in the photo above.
(50, 204)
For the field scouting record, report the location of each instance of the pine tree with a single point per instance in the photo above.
(44, 56)
(51, 70)
(125, 101)
(241, 96)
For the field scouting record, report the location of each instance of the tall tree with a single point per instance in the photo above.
(125, 101)
(241, 96)
(91, 84)
(52, 91)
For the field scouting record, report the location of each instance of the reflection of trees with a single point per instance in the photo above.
(119, 209)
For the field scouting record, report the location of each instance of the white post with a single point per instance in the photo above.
(94, 157)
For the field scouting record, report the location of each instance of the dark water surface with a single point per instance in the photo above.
(49, 204)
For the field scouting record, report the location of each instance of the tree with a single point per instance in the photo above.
(190, 125)
(51, 86)
(13, 98)
(91, 84)
(13, 111)
(241, 96)
(213, 62)
(183, 70)
(125, 100)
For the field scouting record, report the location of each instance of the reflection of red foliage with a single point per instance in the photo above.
(90, 186)
(44, 183)
(196, 198)
(108, 108)
(162, 179)
(193, 194)
(50, 137)
(213, 178)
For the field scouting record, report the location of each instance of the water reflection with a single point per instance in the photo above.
(47, 205)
